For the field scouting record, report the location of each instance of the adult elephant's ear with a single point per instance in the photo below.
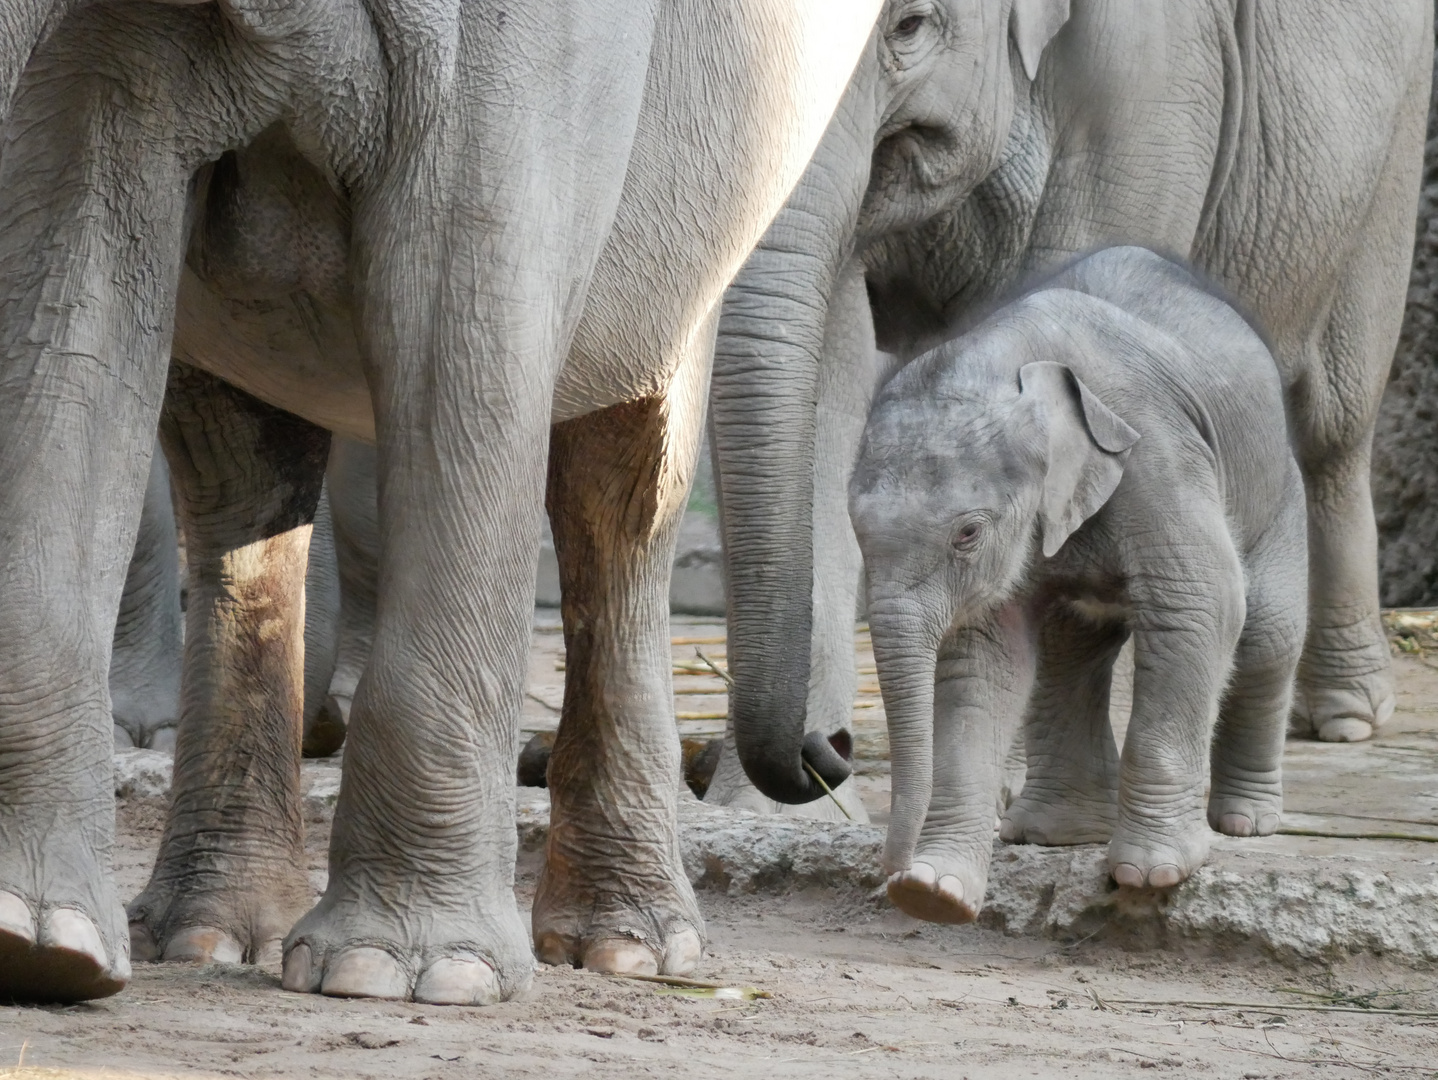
(1087, 449)
(1033, 24)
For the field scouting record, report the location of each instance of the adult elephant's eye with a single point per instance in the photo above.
(909, 26)
(967, 536)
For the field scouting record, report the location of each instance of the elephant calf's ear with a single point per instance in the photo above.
(1088, 446)
(1033, 24)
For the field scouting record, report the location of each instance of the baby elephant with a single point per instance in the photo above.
(1105, 456)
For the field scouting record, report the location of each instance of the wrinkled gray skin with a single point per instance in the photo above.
(145, 662)
(486, 237)
(1276, 145)
(144, 677)
(1106, 456)
(323, 619)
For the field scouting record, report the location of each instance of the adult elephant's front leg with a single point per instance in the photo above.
(473, 250)
(230, 880)
(614, 896)
(92, 205)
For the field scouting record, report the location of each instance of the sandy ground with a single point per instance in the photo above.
(854, 988)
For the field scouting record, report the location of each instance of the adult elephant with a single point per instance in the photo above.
(1276, 145)
(144, 675)
(446, 227)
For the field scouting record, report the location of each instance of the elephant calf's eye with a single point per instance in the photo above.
(908, 27)
(967, 536)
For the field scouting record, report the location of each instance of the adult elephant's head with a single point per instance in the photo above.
(924, 120)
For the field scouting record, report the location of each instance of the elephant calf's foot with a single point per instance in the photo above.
(1048, 818)
(1157, 857)
(1235, 812)
(193, 917)
(941, 888)
(60, 956)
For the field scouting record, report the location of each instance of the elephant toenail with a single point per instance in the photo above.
(951, 887)
(298, 971)
(15, 917)
(1385, 712)
(550, 948)
(1345, 729)
(268, 953)
(143, 945)
(365, 971)
(458, 980)
(621, 956)
(1128, 875)
(1165, 876)
(1010, 833)
(683, 952)
(71, 930)
(921, 873)
(202, 945)
(1268, 824)
(1235, 825)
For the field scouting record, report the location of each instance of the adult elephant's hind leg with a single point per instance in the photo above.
(1246, 791)
(614, 896)
(1345, 679)
(145, 662)
(230, 879)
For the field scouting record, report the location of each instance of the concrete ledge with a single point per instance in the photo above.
(1285, 896)
(1294, 898)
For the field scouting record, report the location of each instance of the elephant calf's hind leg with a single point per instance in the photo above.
(1070, 792)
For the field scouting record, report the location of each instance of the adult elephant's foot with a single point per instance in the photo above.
(622, 909)
(62, 944)
(1345, 684)
(358, 943)
(1343, 715)
(199, 914)
(1157, 855)
(941, 887)
(325, 732)
(1045, 816)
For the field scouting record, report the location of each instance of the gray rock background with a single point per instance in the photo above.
(1405, 445)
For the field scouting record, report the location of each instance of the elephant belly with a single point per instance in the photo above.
(737, 95)
(292, 351)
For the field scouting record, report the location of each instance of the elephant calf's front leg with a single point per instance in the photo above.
(982, 679)
(230, 880)
(614, 896)
(1181, 660)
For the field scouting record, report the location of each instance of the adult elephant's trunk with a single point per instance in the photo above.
(766, 366)
(906, 645)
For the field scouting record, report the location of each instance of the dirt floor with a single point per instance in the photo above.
(848, 985)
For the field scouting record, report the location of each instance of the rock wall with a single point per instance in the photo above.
(1405, 445)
